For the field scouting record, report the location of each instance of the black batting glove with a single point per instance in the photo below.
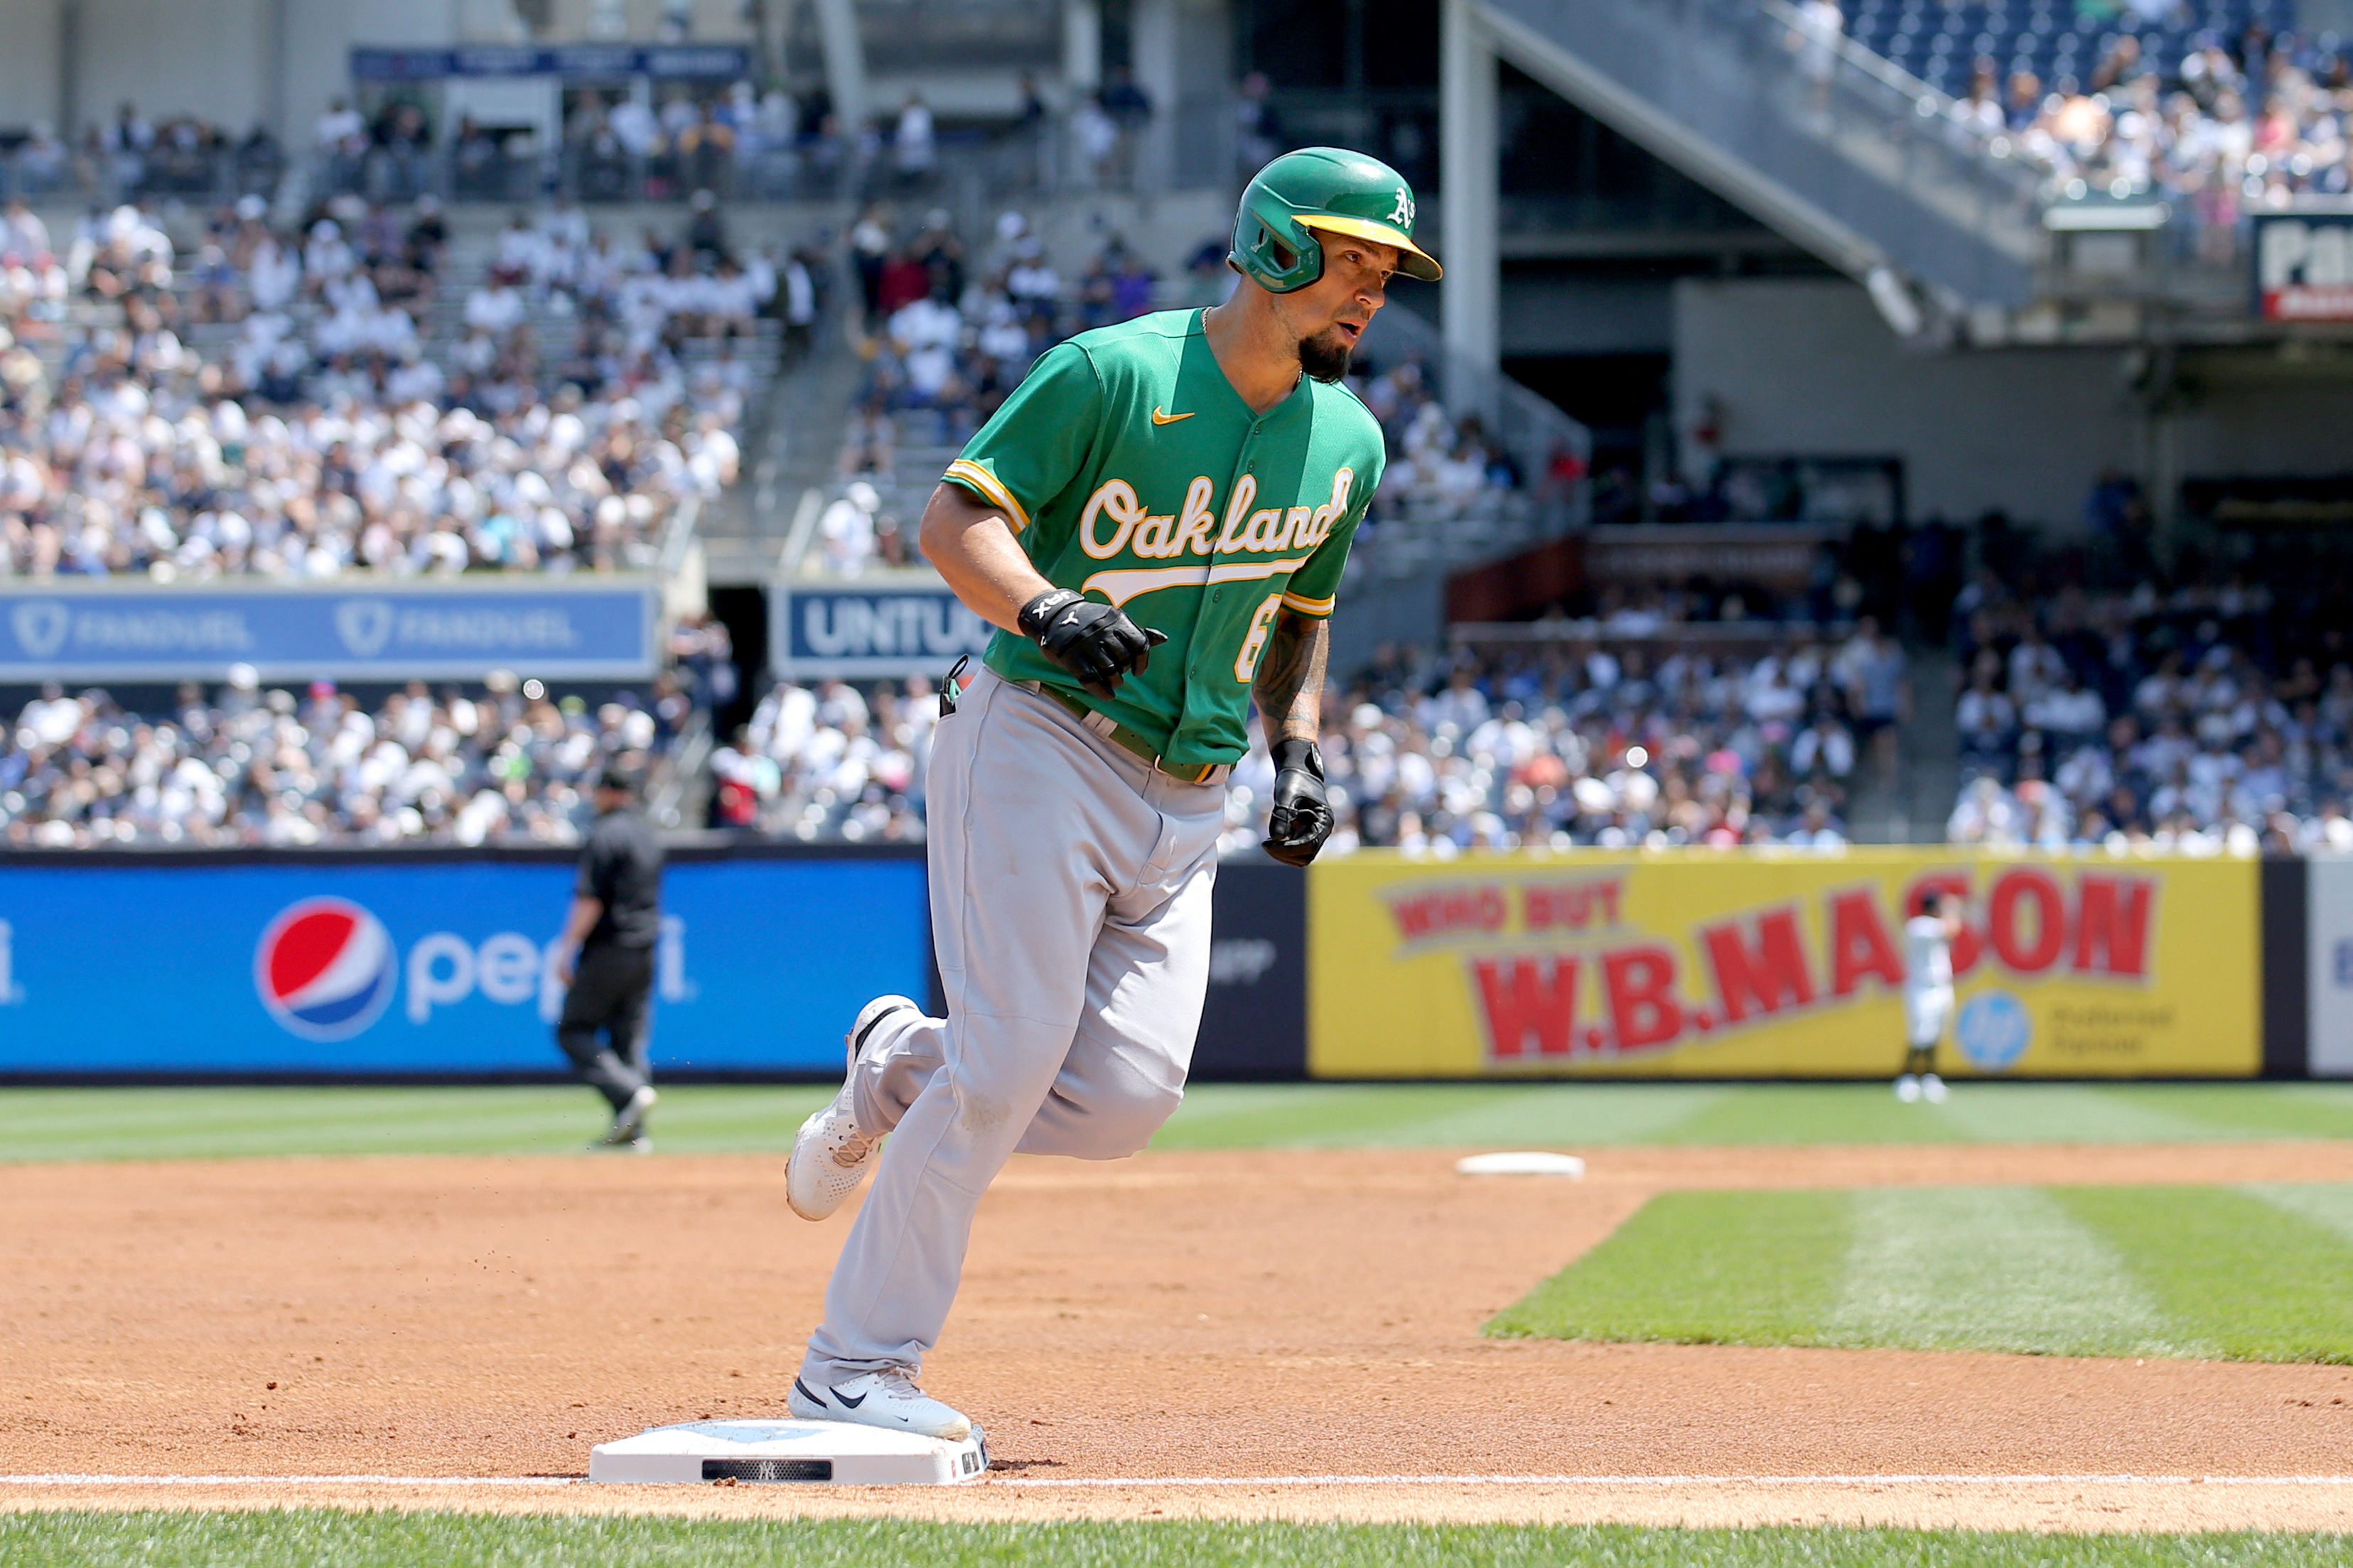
(1095, 642)
(1302, 819)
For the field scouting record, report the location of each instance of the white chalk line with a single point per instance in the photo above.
(1835, 1481)
(71, 1481)
(1165, 1481)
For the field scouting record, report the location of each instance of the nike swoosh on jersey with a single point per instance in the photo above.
(1160, 418)
(1131, 583)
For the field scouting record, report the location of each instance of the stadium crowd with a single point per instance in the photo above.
(2175, 720)
(2214, 105)
(504, 763)
(328, 435)
(1599, 735)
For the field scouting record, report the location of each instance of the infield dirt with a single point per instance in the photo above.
(1180, 1315)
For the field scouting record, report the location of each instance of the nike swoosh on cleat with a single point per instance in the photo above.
(806, 1393)
(1160, 418)
(848, 1403)
(875, 1023)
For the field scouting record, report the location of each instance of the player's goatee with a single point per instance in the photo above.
(1324, 356)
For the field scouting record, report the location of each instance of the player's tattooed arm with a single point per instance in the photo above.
(1289, 686)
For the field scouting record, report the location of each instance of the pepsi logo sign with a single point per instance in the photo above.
(325, 969)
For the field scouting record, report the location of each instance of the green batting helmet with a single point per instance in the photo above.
(1327, 190)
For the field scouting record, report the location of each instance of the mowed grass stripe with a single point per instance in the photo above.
(1738, 1269)
(2196, 1271)
(1442, 1115)
(2260, 1282)
(328, 1538)
(2080, 1112)
(2326, 1204)
(93, 1124)
(1992, 1268)
(2273, 1110)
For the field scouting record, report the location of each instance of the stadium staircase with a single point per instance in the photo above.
(1859, 176)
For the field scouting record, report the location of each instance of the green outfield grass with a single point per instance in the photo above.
(171, 1124)
(328, 1538)
(2241, 1273)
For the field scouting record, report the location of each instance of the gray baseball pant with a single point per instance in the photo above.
(1069, 891)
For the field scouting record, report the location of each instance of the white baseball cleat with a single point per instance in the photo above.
(830, 1155)
(1907, 1088)
(888, 1399)
(1932, 1089)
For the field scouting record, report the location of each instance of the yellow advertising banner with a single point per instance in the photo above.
(1712, 963)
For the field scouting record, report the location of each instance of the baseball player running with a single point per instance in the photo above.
(1156, 521)
(1928, 939)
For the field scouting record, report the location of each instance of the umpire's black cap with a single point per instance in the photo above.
(622, 778)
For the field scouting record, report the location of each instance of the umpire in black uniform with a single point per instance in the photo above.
(608, 958)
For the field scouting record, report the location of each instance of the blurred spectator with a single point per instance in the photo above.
(328, 435)
(2152, 718)
(1258, 128)
(500, 764)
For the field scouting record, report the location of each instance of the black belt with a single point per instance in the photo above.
(1127, 740)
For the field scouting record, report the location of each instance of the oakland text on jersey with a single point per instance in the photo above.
(1162, 536)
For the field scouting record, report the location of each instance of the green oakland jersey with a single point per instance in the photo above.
(1134, 472)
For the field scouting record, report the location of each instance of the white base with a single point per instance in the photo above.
(1523, 1162)
(836, 1453)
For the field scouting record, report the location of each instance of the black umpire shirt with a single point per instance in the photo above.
(620, 867)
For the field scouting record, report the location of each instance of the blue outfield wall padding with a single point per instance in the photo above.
(1254, 1024)
(432, 964)
(412, 964)
(2286, 996)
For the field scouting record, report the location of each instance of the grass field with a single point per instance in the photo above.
(173, 1123)
(321, 1539)
(2242, 1273)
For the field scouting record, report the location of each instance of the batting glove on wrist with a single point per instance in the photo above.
(1095, 642)
(1302, 819)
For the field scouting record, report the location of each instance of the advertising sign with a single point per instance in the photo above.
(870, 629)
(379, 632)
(1703, 965)
(590, 62)
(412, 966)
(2304, 266)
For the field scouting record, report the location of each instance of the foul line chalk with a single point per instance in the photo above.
(1827, 1480)
(1860, 1481)
(64, 1480)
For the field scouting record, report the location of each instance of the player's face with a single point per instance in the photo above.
(1331, 314)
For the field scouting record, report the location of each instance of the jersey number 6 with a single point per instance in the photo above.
(1261, 626)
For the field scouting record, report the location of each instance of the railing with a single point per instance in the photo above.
(678, 536)
(1852, 138)
(1059, 155)
(681, 772)
(50, 173)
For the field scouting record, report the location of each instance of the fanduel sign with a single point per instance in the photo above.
(861, 630)
(562, 630)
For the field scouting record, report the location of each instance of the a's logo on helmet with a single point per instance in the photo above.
(324, 969)
(1402, 214)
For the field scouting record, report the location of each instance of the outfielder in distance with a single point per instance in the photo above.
(1156, 520)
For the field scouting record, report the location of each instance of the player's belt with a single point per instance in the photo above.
(1127, 740)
